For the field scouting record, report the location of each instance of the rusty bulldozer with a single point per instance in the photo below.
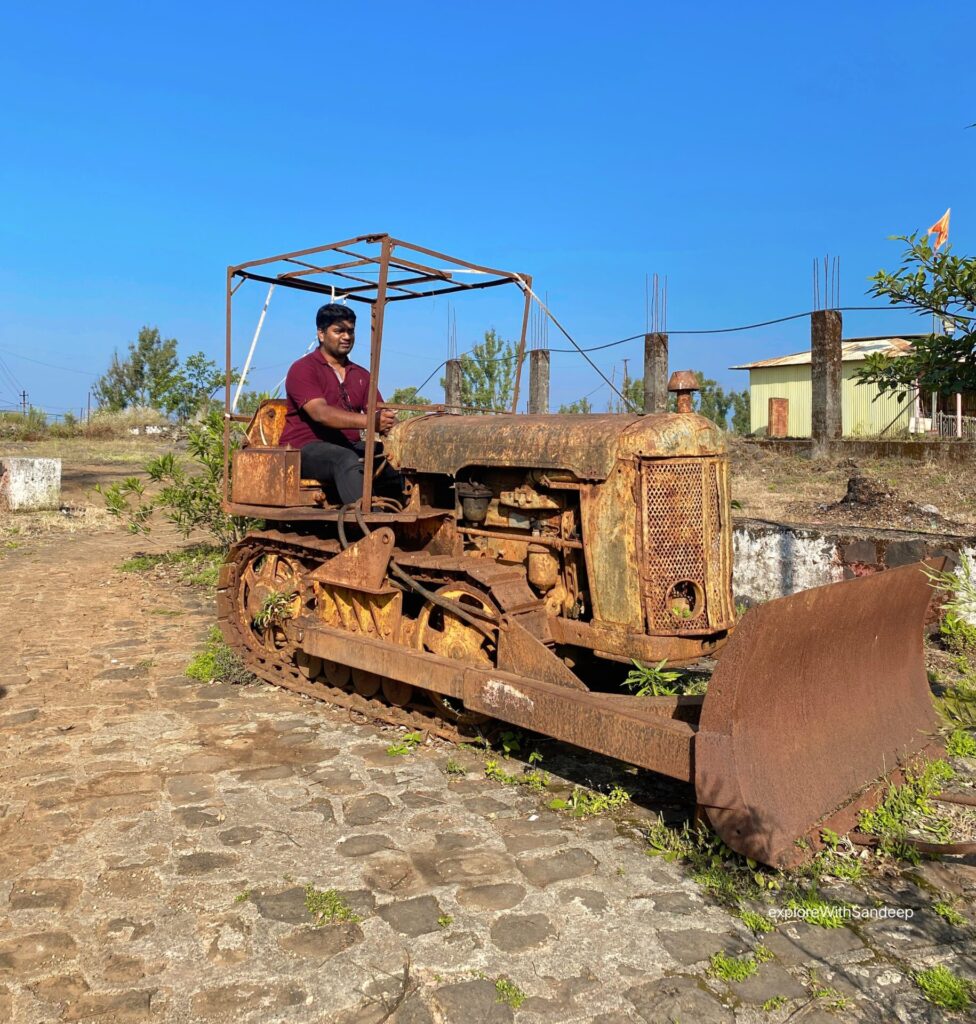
(532, 558)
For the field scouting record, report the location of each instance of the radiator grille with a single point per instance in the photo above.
(683, 544)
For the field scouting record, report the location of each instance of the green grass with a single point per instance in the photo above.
(758, 924)
(948, 912)
(815, 909)
(218, 662)
(406, 745)
(942, 988)
(774, 1003)
(584, 803)
(906, 807)
(445, 920)
(530, 777)
(738, 968)
(961, 743)
(198, 565)
(454, 768)
(508, 992)
(327, 907)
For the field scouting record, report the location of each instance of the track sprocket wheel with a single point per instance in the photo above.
(269, 593)
(442, 632)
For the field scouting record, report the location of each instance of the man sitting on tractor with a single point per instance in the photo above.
(327, 401)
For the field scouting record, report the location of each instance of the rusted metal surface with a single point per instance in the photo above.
(621, 728)
(268, 476)
(587, 446)
(522, 653)
(686, 556)
(362, 566)
(684, 384)
(816, 697)
(613, 642)
(267, 423)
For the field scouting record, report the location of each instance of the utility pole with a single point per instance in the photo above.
(23, 402)
(88, 418)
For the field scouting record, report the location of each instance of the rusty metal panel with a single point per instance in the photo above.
(587, 446)
(816, 697)
(610, 522)
(267, 423)
(620, 727)
(684, 568)
(266, 476)
(362, 566)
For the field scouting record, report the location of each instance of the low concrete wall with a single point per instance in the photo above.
(935, 450)
(776, 559)
(30, 485)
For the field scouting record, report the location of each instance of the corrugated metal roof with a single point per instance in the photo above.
(853, 350)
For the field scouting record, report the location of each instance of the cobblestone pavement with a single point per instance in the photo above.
(156, 836)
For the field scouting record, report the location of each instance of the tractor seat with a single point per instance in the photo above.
(266, 427)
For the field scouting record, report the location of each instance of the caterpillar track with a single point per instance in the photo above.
(278, 560)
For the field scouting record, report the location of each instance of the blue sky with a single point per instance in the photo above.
(146, 148)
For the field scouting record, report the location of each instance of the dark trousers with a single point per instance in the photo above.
(341, 468)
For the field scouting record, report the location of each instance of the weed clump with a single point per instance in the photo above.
(738, 968)
(656, 681)
(907, 807)
(583, 803)
(406, 745)
(218, 662)
(328, 907)
(942, 988)
(508, 992)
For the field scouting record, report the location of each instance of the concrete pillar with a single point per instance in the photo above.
(452, 385)
(778, 419)
(655, 372)
(30, 485)
(539, 381)
(826, 326)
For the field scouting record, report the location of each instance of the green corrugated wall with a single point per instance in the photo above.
(861, 415)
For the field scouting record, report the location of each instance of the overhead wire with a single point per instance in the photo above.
(712, 330)
(50, 366)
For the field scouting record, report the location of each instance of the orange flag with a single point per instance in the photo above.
(941, 230)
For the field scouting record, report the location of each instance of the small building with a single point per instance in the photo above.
(865, 412)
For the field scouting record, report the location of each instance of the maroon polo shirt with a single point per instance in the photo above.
(312, 377)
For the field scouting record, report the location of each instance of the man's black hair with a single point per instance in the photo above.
(332, 313)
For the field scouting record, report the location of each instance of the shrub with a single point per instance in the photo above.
(191, 499)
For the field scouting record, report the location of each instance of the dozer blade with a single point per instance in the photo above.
(817, 698)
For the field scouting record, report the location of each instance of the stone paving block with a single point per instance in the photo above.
(801, 943)
(679, 998)
(472, 1001)
(695, 945)
(770, 981)
(413, 917)
(543, 871)
(502, 896)
(44, 893)
(515, 933)
(324, 942)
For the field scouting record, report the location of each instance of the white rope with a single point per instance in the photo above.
(250, 354)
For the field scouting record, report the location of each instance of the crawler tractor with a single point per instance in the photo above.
(533, 558)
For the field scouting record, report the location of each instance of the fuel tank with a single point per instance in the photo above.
(586, 445)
